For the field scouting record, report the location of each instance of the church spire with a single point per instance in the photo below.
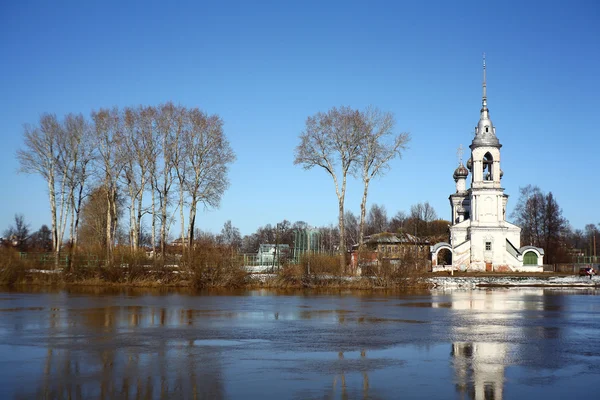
(484, 99)
(485, 133)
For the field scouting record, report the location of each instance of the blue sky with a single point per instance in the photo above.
(264, 66)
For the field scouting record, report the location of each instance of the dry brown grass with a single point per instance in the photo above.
(211, 265)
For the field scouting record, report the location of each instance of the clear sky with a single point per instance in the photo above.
(264, 66)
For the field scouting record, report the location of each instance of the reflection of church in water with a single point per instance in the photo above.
(480, 361)
(480, 236)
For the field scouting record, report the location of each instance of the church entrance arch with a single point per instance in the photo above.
(444, 256)
(441, 254)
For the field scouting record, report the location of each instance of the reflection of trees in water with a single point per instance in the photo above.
(127, 373)
(100, 360)
(342, 378)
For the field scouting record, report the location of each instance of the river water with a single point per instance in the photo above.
(466, 344)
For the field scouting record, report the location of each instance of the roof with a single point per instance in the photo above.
(391, 238)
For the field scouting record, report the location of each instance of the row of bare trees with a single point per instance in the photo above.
(175, 154)
(346, 141)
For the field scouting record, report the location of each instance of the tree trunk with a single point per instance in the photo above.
(55, 244)
(163, 224)
(363, 213)
(71, 228)
(138, 234)
(192, 222)
(342, 234)
(182, 217)
(154, 223)
(108, 227)
(77, 211)
(132, 221)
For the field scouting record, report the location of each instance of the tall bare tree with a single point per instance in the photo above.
(541, 221)
(180, 162)
(529, 214)
(138, 151)
(108, 133)
(168, 128)
(40, 155)
(78, 153)
(332, 141)
(380, 146)
(208, 156)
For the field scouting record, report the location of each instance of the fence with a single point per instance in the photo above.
(571, 268)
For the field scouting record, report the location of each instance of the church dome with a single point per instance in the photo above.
(461, 172)
(485, 134)
(470, 164)
(501, 174)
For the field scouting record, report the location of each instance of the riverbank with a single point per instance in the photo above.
(164, 279)
(506, 280)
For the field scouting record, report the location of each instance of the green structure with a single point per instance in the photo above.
(306, 241)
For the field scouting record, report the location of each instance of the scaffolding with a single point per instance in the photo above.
(306, 241)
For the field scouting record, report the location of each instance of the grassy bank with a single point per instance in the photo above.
(206, 267)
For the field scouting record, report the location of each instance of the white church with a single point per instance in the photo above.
(480, 237)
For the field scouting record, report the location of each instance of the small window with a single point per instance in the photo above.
(486, 128)
(488, 246)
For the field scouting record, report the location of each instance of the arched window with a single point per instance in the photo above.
(530, 258)
(488, 162)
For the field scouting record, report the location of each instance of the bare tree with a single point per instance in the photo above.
(180, 162)
(94, 217)
(351, 227)
(208, 156)
(77, 154)
(421, 215)
(541, 221)
(333, 141)
(591, 234)
(138, 151)
(108, 137)
(168, 130)
(528, 214)
(40, 155)
(18, 233)
(153, 153)
(380, 146)
(230, 236)
(397, 222)
(42, 239)
(377, 220)
(146, 151)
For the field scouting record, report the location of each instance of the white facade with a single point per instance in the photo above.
(480, 237)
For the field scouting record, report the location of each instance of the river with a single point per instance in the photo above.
(140, 344)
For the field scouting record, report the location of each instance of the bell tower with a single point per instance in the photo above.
(488, 201)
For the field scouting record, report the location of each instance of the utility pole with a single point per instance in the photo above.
(594, 245)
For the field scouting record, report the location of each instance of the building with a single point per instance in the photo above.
(480, 237)
(391, 247)
(272, 253)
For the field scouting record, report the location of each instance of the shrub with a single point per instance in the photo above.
(320, 264)
(12, 268)
(213, 265)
